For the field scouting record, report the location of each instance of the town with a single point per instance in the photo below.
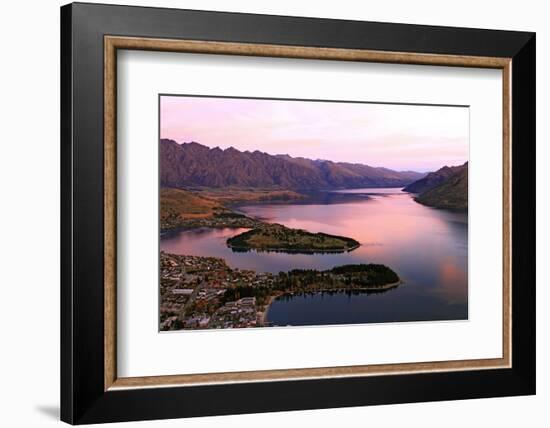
(194, 294)
(205, 293)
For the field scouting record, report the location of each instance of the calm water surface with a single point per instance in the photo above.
(427, 247)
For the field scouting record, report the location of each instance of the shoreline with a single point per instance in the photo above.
(190, 228)
(291, 251)
(263, 317)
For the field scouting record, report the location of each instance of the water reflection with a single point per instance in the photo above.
(427, 247)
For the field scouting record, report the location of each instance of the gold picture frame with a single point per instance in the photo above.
(114, 43)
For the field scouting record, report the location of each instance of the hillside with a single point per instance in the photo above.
(452, 193)
(433, 179)
(195, 165)
(176, 204)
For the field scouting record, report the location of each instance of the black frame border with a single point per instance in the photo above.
(83, 399)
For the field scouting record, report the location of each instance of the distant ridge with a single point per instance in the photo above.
(434, 179)
(452, 193)
(194, 165)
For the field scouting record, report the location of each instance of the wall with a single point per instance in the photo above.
(30, 198)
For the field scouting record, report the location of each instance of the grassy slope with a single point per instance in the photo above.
(207, 207)
(452, 193)
(187, 205)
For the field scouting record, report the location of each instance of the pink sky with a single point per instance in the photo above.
(401, 137)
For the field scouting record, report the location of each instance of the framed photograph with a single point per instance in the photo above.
(266, 213)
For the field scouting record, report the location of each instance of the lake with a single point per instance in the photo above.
(427, 247)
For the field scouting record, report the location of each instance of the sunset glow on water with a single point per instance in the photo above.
(427, 247)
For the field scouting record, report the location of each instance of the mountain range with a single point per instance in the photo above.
(195, 165)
